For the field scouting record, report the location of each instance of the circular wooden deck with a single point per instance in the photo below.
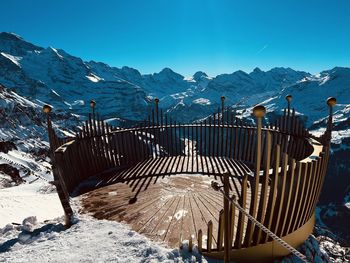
(165, 206)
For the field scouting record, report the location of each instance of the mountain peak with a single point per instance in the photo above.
(199, 75)
(257, 70)
(14, 45)
(10, 36)
(167, 71)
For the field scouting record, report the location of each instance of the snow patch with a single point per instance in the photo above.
(181, 213)
(13, 59)
(202, 101)
(94, 78)
(26, 200)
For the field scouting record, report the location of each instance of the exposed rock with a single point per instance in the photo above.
(11, 171)
(6, 146)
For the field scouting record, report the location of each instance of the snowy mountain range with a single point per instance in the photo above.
(31, 76)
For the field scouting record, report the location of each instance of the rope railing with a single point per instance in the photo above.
(271, 234)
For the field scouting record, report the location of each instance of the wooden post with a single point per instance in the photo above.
(222, 126)
(210, 236)
(200, 240)
(227, 225)
(221, 229)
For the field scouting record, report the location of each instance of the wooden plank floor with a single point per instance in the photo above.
(156, 199)
(168, 211)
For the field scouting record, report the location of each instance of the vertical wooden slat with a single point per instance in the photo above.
(98, 143)
(175, 138)
(210, 236)
(307, 193)
(209, 138)
(237, 140)
(232, 222)
(273, 189)
(288, 197)
(304, 170)
(226, 140)
(192, 148)
(263, 199)
(241, 218)
(200, 241)
(197, 149)
(219, 137)
(205, 138)
(221, 230)
(313, 187)
(256, 185)
(213, 140)
(292, 214)
(282, 187)
(93, 143)
(110, 146)
(231, 137)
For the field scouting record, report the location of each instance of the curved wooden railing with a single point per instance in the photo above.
(288, 168)
(97, 148)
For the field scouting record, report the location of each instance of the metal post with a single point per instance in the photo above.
(58, 181)
(92, 105)
(222, 108)
(47, 109)
(156, 100)
(227, 225)
(289, 99)
(331, 103)
(259, 112)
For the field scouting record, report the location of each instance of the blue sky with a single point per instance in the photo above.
(214, 36)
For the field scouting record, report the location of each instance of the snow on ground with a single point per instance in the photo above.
(37, 199)
(88, 240)
(23, 239)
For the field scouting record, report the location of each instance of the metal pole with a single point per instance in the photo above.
(157, 115)
(222, 109)
(331, 103)
(92, 105)
(289, 99)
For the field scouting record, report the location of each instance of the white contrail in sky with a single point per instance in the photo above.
(262, 49)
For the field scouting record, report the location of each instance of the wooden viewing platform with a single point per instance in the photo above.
(157, 175)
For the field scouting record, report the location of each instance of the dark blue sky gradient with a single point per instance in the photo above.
(214, 36)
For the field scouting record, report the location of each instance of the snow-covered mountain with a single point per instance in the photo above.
(31, 76)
